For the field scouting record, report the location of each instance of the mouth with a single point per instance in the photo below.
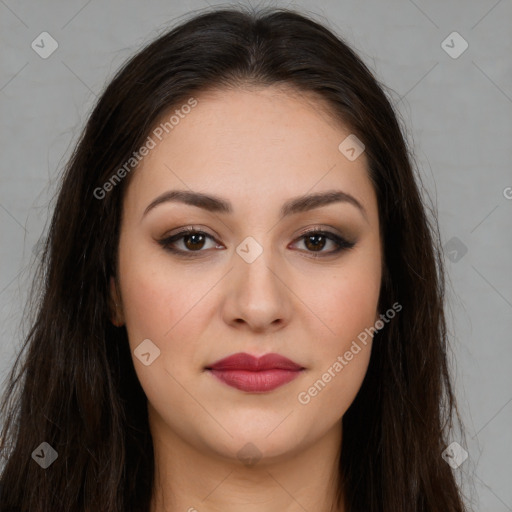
(257, 375)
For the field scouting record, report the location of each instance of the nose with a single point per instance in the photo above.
(257, 296)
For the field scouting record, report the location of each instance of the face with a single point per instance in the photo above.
(249, 278)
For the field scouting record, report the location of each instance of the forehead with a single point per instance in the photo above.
(249, 144)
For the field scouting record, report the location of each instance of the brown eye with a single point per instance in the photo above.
(192, 240)
(316, 240)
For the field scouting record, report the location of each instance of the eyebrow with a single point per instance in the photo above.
(295, 205)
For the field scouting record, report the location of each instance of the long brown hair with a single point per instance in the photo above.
(74, 385)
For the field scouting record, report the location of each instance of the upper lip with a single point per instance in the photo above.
(243, 361)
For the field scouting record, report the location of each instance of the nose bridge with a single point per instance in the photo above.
(259, 295)
(258, 262)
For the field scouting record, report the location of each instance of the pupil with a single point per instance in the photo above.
(316, 244)
(194, 243)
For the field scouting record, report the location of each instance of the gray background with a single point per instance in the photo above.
(457, 112)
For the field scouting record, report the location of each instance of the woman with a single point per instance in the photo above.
(242, 295)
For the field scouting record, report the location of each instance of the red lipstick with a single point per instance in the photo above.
(258, 375)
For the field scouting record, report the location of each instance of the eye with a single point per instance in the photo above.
(315, 240)
(193, 240)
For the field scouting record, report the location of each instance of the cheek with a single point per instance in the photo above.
(166, 304)
(150, 289)
(161, 306)
(348, 307)
(354, 303)
(147, 306)
(345, 301)
(330, 392)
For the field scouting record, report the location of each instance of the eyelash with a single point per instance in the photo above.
(338, 240)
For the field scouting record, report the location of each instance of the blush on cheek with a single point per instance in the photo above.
(350, 309)
(171, 315)
(148, 308)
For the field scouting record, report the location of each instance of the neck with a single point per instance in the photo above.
(197, 479)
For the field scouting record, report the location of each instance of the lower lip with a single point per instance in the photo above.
(260, 381)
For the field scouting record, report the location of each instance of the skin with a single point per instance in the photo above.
(257, 148)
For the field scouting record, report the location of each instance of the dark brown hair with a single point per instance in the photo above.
(74, 385)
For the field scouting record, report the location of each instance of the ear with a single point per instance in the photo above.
(115, 307)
